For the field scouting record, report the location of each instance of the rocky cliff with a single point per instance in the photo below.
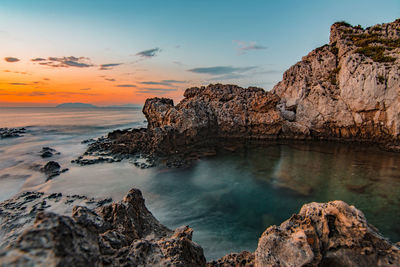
(57, 230)
(346, 90)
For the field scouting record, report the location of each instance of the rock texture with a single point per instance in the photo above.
(349, 88)
(56, 230)
(96, 234)
(325, 234)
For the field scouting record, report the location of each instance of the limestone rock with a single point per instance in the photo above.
(123, 233)
(349, 88)
(325, 234)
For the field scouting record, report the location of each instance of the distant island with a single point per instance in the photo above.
(76, 105)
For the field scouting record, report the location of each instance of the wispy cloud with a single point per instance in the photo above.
(173, 81)
(125, 85)
(42, 93)
(221, 70)
(156, 83)
(243, 47)
(109, 66)
(18, 84)
(85, 89)
(110, 79)
(156, 91)
(149, 53)
(38, 59)
(64, 62)
(163, 82)
(11, 59)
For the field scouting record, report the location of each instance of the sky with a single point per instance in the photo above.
(119, 52)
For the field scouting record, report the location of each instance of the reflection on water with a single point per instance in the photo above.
(228, 199)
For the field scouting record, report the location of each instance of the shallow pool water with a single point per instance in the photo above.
(228, 199)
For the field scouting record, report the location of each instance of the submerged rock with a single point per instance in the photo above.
(48, 152)
(52, 169)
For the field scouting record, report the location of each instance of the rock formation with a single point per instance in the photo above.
(346, 90)
(349, 88)
(96, 234)
(57, 230)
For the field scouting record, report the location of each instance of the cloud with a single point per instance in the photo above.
(40, 93)
(149, 53)
(11, 59)
(221, 70)
(64, 62)
(125, 85)
(173, 81)
(109, 66)
(46, 79)
(110, 79)
(156, 83)
(157, 91)
(178, 63)
(18, 83)
(243, 46)
(38, 59)
(163, 82)
(85, 89)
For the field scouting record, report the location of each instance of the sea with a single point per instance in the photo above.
(228, 199)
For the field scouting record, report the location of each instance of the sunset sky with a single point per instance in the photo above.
(121, 52)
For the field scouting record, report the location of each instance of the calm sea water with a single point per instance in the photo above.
(228, 199)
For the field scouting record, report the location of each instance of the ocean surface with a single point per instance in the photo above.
(228, 199)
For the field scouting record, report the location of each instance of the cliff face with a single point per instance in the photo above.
(350, 87)
(346, 90)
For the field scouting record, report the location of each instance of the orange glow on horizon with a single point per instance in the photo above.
(29, 84)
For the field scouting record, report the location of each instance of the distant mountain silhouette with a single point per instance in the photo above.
(76, 105)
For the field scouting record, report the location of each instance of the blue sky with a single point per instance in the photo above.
(249, 43)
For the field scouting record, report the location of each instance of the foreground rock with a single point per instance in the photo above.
(11, 132)
(96, 234)
(56, 230)
(325, 234)
(52, 169)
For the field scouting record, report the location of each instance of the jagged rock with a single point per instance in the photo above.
(119, 234)
(348, 89)
(326, 234)
(11, 132)
(243, 259)
(57, 230)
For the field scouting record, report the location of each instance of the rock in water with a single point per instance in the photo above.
(52, 169)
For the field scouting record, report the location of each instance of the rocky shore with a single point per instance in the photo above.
(346, 90)
(56, 230)
(11, 132)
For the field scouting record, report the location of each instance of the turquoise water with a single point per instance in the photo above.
(228, 199)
